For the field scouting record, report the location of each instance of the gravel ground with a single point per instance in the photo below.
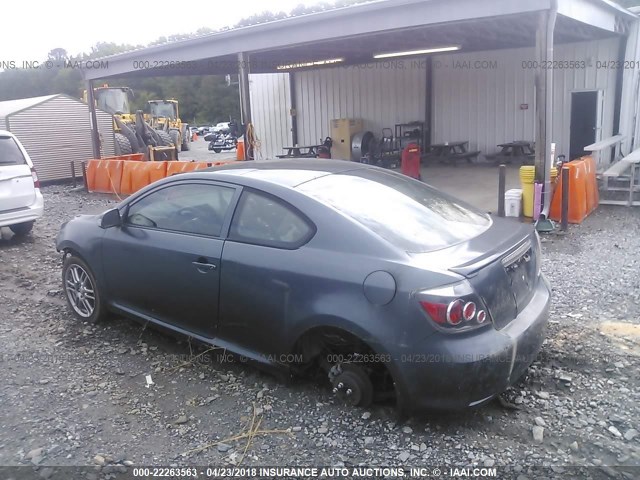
(199, 152)
(76, 394)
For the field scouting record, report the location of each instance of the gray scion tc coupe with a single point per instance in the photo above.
(389, 287)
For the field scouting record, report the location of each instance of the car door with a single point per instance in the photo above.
(163, 263)
(262, 276)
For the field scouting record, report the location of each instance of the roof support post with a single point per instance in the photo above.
(293, 112)
(245, 99)
(95, 134)
(544, 103)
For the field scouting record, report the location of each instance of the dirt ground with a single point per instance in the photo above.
(73, 394)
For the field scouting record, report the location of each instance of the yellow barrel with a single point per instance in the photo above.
(527, 180)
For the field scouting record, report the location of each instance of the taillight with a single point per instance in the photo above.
(454, 308)
(34, 175)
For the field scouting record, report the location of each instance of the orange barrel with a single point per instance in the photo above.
(240, 149)
(157, 170)
(577, 194)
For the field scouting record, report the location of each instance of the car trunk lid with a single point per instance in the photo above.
(502, 265)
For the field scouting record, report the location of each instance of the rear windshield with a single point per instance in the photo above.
(10, 153)
(407, 213)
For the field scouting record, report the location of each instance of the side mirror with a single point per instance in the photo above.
(111, 218)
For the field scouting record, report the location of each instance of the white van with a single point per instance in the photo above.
(21, 201)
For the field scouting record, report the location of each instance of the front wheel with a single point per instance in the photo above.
(79, 285)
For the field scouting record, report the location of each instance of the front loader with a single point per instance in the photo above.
(165, 115)
(132, 133)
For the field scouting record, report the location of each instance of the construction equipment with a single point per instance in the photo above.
(132, 133)
(165, 115)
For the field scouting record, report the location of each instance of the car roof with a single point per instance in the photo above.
(6, 133)
(289, 172)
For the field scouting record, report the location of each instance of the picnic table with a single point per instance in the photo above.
(300, 151)
(521, 150)
(450, 151)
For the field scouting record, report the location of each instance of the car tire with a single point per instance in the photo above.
(21, 229)
(217, 150)
(81, 291)
(122, 145)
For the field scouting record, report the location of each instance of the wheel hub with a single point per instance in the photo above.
(352, 384)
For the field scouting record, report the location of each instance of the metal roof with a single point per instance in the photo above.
(9, 107)
(357, 31)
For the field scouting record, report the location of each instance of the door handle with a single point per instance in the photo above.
(204, 266)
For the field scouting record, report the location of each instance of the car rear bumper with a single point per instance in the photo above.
(22, 215)
(455, 371)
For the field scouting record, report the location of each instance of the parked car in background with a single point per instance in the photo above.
(389, 287)
(203, 129)
(21, 201)
(222, 127)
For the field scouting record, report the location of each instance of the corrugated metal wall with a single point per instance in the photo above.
(270, 111)
(58, 131)
(480, 102)
(381, 94)
(474, 102)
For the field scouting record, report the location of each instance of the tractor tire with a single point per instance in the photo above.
(186, 140)
(165, 138)
(130, 134)
(175, 139)
(122, 145)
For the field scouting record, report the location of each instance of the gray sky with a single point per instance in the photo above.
(31, 29)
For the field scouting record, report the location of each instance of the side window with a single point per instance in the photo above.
(188, 208)
(264, 220)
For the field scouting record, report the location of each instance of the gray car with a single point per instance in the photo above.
(387, 286)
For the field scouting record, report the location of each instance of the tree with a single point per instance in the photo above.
(58, 54)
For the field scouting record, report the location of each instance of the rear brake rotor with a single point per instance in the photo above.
(352, 383)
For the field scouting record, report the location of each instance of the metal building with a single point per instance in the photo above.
(55, 130)
(486, 98)
(317, 70)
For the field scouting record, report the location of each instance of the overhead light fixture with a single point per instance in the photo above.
(425, 51)
(314, 63)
